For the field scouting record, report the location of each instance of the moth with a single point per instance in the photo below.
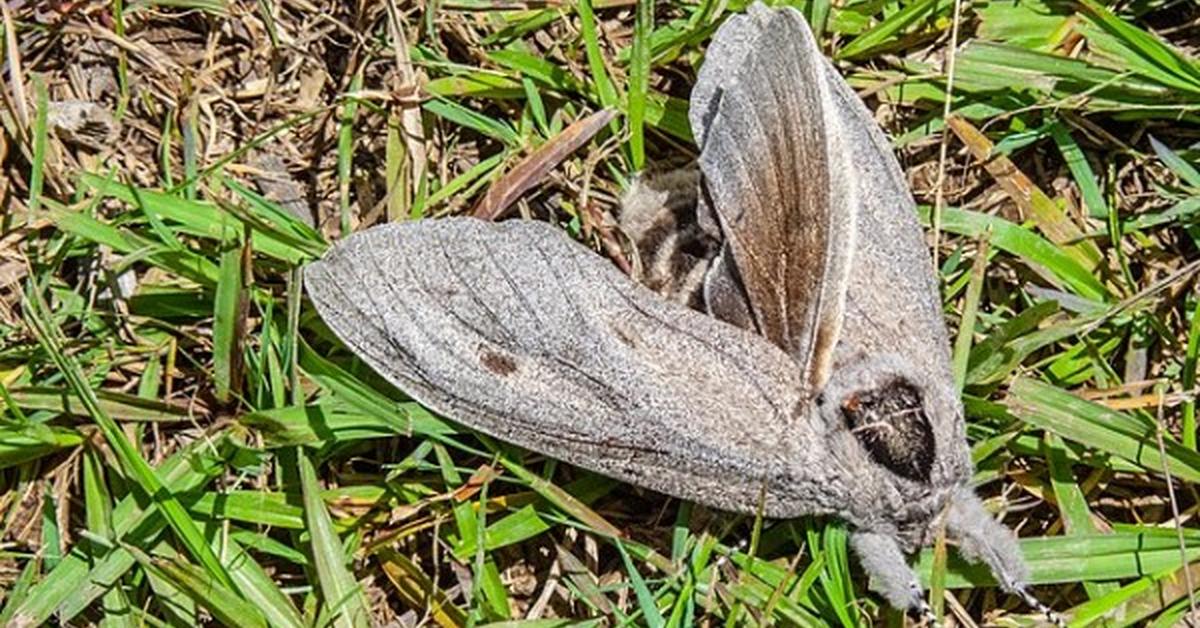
(811, 373)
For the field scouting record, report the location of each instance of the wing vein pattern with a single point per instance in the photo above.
(517, 331)
(775, 170)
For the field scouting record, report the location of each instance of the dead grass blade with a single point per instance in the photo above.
(1032, 201)
(418, 591)
(530, 171)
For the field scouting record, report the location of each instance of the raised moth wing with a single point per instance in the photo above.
(776, 178)
(822, 251)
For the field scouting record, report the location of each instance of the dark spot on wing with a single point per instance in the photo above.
(497, 363)
(891, 425)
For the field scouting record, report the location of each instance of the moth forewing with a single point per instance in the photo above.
(768, 161)
(517, 331)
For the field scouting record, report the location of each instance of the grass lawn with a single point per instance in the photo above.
(183, 441)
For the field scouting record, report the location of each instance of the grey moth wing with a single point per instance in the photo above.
(774, 176)
(892, 300)
(521, 333)
(892, 305)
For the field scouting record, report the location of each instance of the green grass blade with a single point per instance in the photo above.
(639, 82)
(1190, 359)
(887, 30)
(1081, 170)
(1056, 559)
(460, 115)
(966, 328)
(333, 423)
(345, 151)
(130, 458)
(258, 589)
(1094, 425)
(1181, 167)
(88, 570)
(227, 321)
(98, 504)
(419, 591)
(290, 241)
(1136, 601)
(254, 507)
(20, 445)
(51, 532)
(118, 405)
(646, 602)
(339, 589)
(178, 262)
(18, 591)
(1023, 243)
(1173, 66)
(397, 185)
(37, 176)
(514, 528)
(595, 58)
(1072, 502)
(225, 605)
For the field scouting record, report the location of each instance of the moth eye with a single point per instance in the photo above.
(891, 425)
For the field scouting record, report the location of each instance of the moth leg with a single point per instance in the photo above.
(890, 575)
(981, 538)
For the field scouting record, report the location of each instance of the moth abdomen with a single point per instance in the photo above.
(891, 424)
(673, 250)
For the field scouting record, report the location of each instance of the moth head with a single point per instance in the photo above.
(899, 432)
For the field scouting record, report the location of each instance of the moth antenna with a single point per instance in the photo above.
(1036, 604)
(980, 537)
(927, 615)
(874, 425)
